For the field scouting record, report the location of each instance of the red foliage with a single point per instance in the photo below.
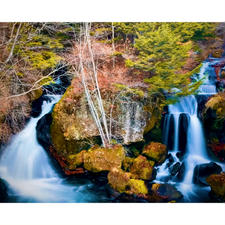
(111, 68)
(63, 163)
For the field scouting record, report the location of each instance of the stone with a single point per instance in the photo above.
(175, 168)
(43, 130)
(164, 193)
(141, 168)
(3, 191)
(217, 184)
(121, 181)
(98, 159)
(202, 171)
(155, 151)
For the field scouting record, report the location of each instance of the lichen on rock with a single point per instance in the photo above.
(121, 181)
(142, 168)
(217, 184)
(155, 151)
(99, 159)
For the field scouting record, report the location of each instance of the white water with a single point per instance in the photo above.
(196, 152)
(25, 166)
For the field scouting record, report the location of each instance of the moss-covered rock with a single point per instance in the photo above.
(99, 159)
(141, 168)
(76, 160)
(164, 193)
(217, 184)
(121, 181)
(214, 124)
(73, 128)
(127, 163)
(155, 151)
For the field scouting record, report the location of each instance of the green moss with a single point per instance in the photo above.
(155, 151)
(76, 160)
(99, 159)
(127, 163)
(137, 187)
(141, 168)
(217, 184)
(121, 181)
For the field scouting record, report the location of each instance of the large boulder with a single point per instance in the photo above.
(122, 182)
(217, 184)
(155, 151)
(73, 128)
(202, 171)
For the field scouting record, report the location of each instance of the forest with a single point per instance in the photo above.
(112, 112)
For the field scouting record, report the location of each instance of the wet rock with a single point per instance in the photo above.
(99, 159)
(155, 151)
(141, 168)
(217, 184)
(180, 155)
(121, 181)
(175, 168)
(183, 129)
(43, 130)
(202, 171)
(164, 193)
(180, 174)
(3, 191)
(170, 140)
(170, 160)
(37, 104)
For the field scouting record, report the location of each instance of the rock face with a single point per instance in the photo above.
(73, 128)
(217, 184)
(202, 171)
(155, 151)
(214, 124)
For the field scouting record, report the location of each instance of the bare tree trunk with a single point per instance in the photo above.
(113, 45)
(14, 43)
(99, 98)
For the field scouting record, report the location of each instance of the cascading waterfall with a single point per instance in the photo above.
(25, 166)
(194, 152)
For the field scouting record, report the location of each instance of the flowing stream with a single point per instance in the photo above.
(31, 177)
(187, 146)
(27, 169)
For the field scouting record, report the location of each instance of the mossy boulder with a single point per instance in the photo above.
(76, 160)
(99, 159)
(164, 193)
(73, 128)
(214, 124)
(141, 168)
(121, 181)
(155, 151)
(127, 163)
(217, 184)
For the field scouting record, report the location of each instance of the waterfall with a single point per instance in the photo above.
(192, 146)
(25, 166)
